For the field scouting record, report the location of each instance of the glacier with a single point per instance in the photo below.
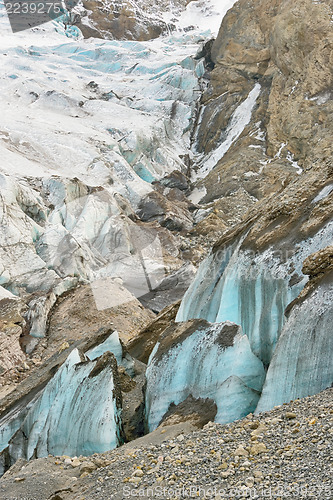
(206, 361)
(87, 127)
(102, 121)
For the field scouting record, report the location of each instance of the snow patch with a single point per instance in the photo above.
(239, 120)
(326, 191)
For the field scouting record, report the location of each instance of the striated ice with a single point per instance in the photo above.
(250, 289)
(199, 365)
(75, 414)
(302, 362)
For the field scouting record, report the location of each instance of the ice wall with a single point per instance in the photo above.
(209, 361)
(79, 410)
(251, 289)
(302, 362)
(76, 414)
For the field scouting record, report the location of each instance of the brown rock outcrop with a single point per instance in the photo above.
(143, 344)
(286, 47)
(319, 262)
(126, 20)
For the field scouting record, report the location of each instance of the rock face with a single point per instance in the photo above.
(174, 216)
(287, 49)
(142, 345)
(171, 289)
(11, 355)
(128, 20)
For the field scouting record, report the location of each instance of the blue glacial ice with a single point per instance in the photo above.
(302, 362)
(251, 289)
(78, 411)
(202, 366)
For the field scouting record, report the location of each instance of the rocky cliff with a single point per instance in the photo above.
(130, 20)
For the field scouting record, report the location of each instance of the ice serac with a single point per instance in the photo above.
(251, 288)
(302, 362)
(77, 413)
(205, 361)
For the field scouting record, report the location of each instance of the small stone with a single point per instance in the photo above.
(290, 415)
(153, 471)
(68, 461)
(19, 479)
(88, 467)
(260, 430)
(101, 462)
(135, 480)
(254, 425)
(249, 482)
(63, 347)
(241, 452)
(137, 473)
(258, 448)
(76, 462)
(258, 473)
